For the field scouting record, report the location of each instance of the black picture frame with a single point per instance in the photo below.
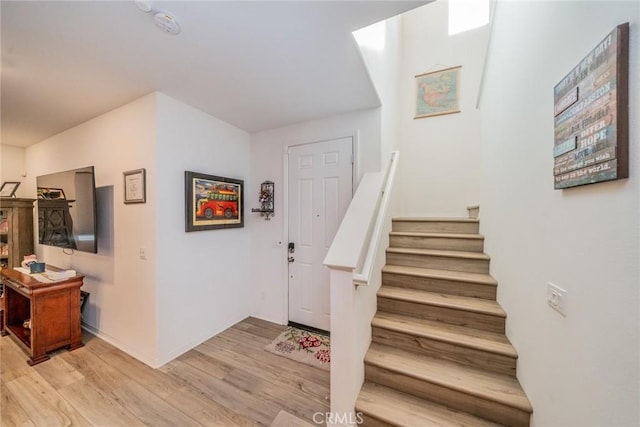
(135, 186)
(9, 188)
(213, 202)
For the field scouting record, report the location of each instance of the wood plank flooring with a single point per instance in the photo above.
(229, 380)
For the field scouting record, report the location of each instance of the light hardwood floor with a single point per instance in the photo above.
(227, 381)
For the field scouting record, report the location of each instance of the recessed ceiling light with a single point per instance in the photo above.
(167, 23)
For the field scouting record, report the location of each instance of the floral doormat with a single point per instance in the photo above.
(303, 346)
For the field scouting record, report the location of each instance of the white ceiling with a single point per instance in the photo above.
(257, 65)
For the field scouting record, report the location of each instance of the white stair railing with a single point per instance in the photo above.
(355, 261)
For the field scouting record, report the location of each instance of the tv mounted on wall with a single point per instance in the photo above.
(67, 210)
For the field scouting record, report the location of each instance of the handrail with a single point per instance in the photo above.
(363, 276)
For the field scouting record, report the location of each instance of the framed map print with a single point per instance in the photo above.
(438, 92)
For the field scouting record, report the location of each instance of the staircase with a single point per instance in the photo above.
(439, 356)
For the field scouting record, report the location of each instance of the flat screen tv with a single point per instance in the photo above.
(67, 210)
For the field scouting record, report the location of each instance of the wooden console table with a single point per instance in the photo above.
(54, 310)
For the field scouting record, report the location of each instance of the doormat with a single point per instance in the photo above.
(303, 346)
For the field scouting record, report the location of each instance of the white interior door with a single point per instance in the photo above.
(320, 190)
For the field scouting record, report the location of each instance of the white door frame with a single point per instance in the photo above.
(285, 200)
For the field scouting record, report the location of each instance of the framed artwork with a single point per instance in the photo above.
(438, 93)
(213, 202)
(591, 115)
(135, 186)
(8, 189)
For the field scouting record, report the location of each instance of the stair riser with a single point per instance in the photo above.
(470, 319)
(436, 227)
(475, 405)
(443, 350)
(442, 243)
(465, 289)
(467, 265)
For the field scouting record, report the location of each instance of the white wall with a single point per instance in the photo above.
(383, 63)
(12, 167)
(121, 285)
(440, 169)
(202, 277)
(579, 370)
(269, 266)
(191, 285)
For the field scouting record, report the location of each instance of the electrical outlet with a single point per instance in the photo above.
(557, 298)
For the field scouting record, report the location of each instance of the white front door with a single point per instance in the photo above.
(320, 190)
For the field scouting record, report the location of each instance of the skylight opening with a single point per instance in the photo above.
(465, 15)
(372, 37)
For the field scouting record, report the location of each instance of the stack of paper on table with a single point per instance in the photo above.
(59, 275)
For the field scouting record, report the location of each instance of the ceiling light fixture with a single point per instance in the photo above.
(167, 23)
(163, 20)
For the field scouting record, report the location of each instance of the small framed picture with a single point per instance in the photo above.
(135, 190)
(8, 189)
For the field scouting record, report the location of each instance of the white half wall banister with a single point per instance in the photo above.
(381, 227)
(355, 258)
(348, 249)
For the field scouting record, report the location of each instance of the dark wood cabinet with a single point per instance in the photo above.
(16, 231)
(52, 307)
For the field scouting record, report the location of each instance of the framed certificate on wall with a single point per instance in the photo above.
(135, 186)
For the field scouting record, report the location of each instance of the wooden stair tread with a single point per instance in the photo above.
(457, 276)
(428, 219)
(438, 235)
(439, 253)
(427, 363)
(397, 408)
(466, 337)
(456, 302)
(490, 386)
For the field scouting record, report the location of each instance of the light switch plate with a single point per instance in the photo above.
(557, 298)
